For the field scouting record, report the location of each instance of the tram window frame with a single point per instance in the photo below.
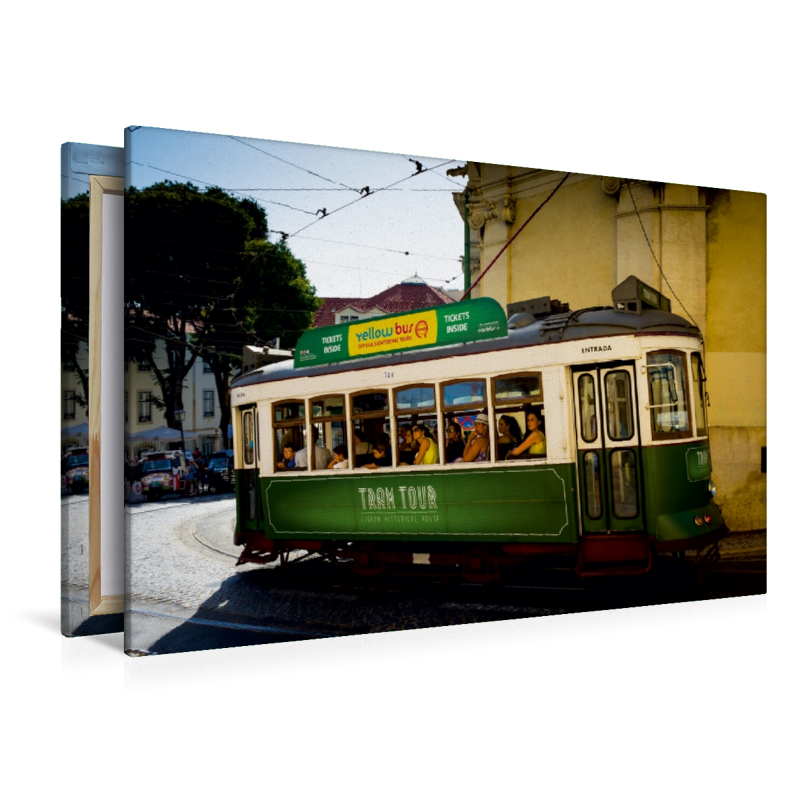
(518, 405)
(530, 400)
(688, 433)
(248, 414)
(616, 470)
(321, 421)
(415, 414)
(581, 378)
(629, 401)
(698, 394)
(452, 410)
(296, 422)
(357, 417)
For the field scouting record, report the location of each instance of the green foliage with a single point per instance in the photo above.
(201, 276)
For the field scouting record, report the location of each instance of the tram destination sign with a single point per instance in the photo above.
(455, 323)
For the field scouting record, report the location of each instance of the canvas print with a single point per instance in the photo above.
(381, 391)
(92, 573)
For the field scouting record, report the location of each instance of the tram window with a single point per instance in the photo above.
(619, 408)
(248, 438)
(510, 427)
(669, 410)
(588, 408)
(462, 401)
(623, 483)
(289, 430)
(517, 388)
(370, 416)
(591, 473)
(464, 393)
(416, 405)
(514, 397)
(329, 422)
(698, 384)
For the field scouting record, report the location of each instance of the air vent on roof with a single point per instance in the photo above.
(526, 312)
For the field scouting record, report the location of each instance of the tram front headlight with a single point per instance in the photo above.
(712, 489)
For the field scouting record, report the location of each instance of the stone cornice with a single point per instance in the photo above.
(503, 209)
(657, 207)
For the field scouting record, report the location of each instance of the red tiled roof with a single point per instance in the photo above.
(398, 298)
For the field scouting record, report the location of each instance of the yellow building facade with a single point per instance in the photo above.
(703, 248)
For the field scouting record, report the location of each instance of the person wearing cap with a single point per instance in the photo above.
(478, 443)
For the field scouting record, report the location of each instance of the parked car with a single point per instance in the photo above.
(77, 470)
(163, 472)
(219, 472)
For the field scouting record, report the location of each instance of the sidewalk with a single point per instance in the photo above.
(744, 544)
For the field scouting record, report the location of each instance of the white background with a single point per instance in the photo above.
(677, 701)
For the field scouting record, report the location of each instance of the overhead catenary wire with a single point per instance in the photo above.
(647, 239)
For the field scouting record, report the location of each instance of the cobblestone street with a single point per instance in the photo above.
(187, 593)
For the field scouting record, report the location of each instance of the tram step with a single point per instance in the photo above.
(614, 554)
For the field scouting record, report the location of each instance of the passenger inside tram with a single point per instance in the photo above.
(509, 435)
(380, 457)
(408, 449)
(428, 452)
(534, 443)
(288, 458)
(339, 458)
(322, 456)
(477, 447)
(454, 447)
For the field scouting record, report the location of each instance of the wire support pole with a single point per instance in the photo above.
(519, 231)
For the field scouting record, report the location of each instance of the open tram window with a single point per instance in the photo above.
(462, 401)
(698, 395)
(669, 409)
(415, 407)
(516, 398)
(371, 426)
(289, 433)
(619, 406)
(327, 414)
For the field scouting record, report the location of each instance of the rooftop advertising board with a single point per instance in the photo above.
(455, 323)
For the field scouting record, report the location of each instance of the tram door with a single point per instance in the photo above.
(248, 503)
(607, 427)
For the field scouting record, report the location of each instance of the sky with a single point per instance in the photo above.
(365, 242)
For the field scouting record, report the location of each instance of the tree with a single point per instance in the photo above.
(201, 276)
(75, 288)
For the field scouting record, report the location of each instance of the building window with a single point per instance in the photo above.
(69, 405)
(207, 368)
(348, 318)
(145, 407)
(143, 367)
(69, 366)
(208, 403)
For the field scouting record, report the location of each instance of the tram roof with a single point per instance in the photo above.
(587, 323)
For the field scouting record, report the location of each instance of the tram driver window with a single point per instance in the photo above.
(289, 430)
(516, 398)
(669, 409)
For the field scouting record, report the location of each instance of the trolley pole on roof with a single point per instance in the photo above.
(467, 263)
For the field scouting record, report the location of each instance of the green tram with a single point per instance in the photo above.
(624, 471)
